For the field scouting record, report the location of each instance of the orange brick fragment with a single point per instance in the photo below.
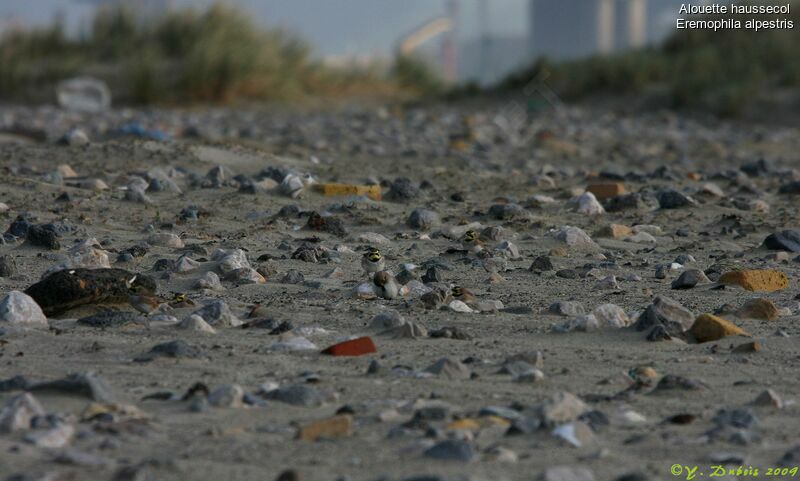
(693, 176)
(615, 231)
(354, 347)
(335, 427)
(371, 191)
(756, 280)
(708, 327)
(606, 190)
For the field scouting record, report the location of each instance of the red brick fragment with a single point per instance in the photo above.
(353, 347)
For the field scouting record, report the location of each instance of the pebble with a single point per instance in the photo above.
(577, 434)
(449, 369)
(20, 309)
(708, 327)
(335, 427)
(668, 313)
(759, 308)
(588, 204)
(690, 278)
(451, 450)
(228, 396)
(574, 236)
(562, 407)
(165, 239)
(18, 412)
(787, 240)
(193, 322)
(423, 219)
(209, 280)
(217, 313)
(296, 395)
(567, 308)
(756, 280)
(606, 190)
(354, 347)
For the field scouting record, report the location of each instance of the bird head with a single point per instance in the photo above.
(470, 236)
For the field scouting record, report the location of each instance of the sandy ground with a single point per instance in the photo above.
(259, 442)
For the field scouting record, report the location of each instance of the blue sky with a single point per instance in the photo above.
(334, 27)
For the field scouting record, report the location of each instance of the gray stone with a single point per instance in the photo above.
(228, 396)
(666, 312)
(297, 395)
(217, 313)
(567, 308)
(18, 412)
(20, 309)
(451, 450)
(689, 279)
(423, 219)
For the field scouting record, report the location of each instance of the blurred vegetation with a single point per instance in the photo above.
(724, 72)
(215, 55)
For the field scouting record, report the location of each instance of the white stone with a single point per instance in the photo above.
(458, 306)
(193, 322)
(588, 204)
(209, 280)
(611, 315)
(20, 309)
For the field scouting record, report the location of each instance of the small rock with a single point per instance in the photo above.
(760, 308)
(20, 309)
(229, 396)
(423, 219)
(451, 450)
(296, 395)
(756, 280)
(334, 427)
(690, 278)
(18, 412)
(449, 369)
(708, 327)
(165, 239)
(574, 236)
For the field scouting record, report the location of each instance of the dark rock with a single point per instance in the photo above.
(423, 219)
(67, 289)
(451, 450)
(432, 275)
(672, 199)
(330, 224)
(541, 264)
(666, 312)
(402, 189)
(786, 240)
(43, 237)
(293, 277)
(507, 211)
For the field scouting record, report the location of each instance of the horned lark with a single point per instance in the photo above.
(180, 300)
(471, 243)
(373, 261)
(387, 285)
(463, 295)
